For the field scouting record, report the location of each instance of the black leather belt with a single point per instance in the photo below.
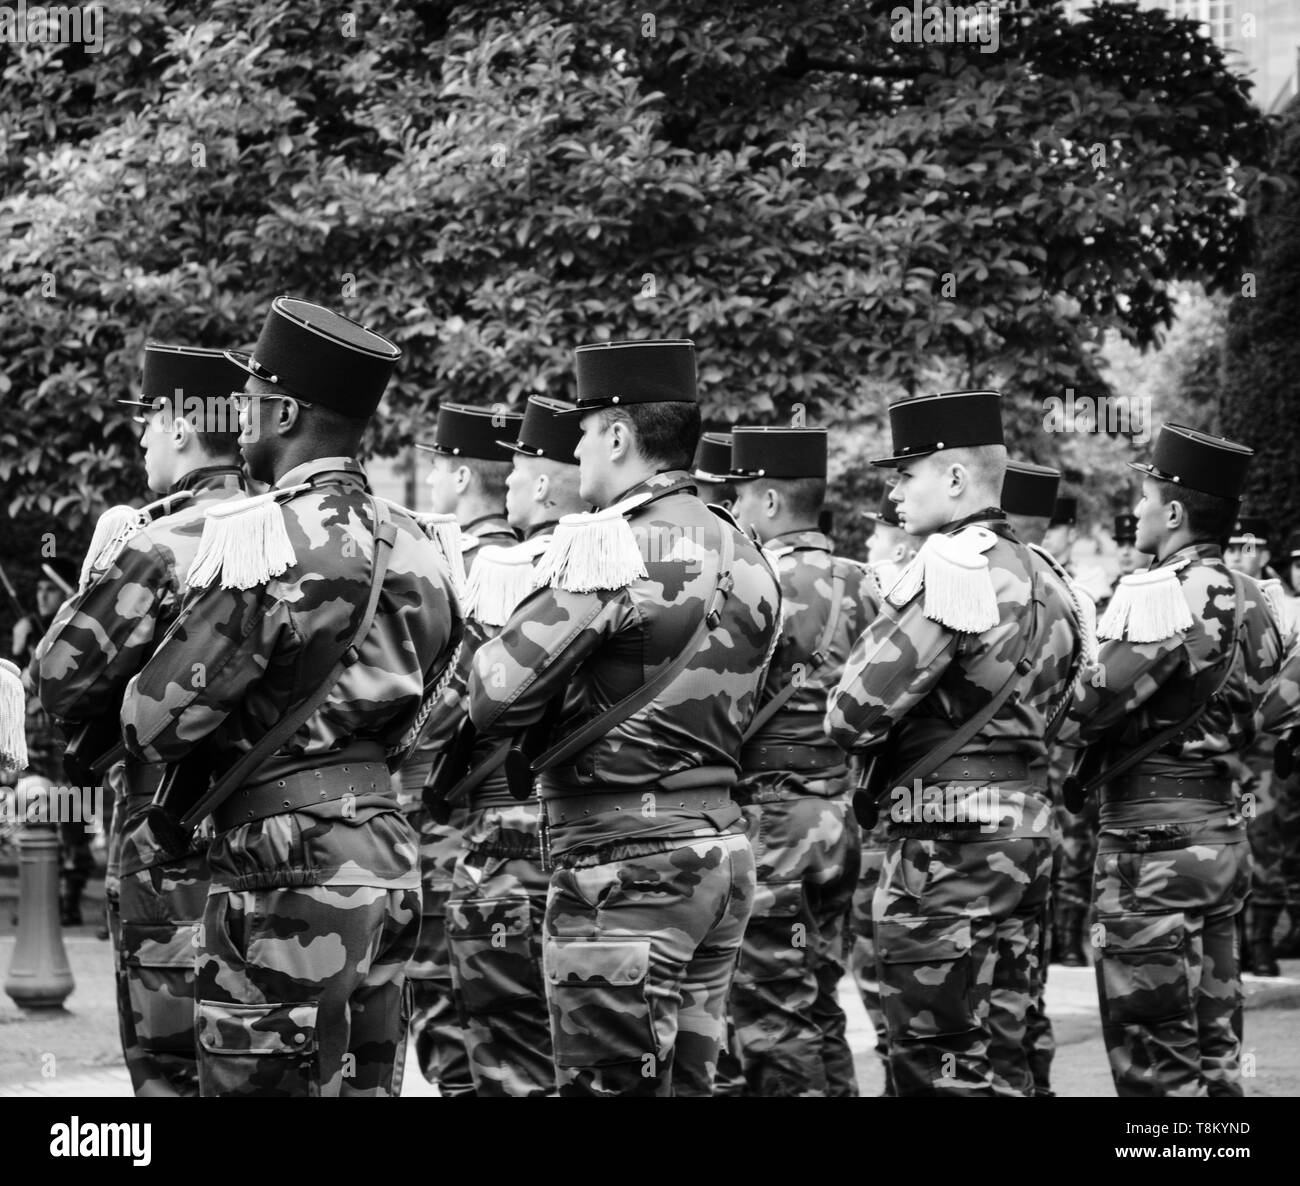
(1214, 789)
(982, 768)
(798, 759)
(574, 808)
(302, 789)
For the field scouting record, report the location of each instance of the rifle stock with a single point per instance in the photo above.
(447, 771)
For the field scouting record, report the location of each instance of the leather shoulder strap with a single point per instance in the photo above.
(816, 659)
(616, 714)
(291, 722)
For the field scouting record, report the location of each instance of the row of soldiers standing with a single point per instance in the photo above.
(624, 745)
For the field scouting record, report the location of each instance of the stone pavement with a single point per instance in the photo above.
(74, 1052)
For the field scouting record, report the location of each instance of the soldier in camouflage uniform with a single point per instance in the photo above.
(314, 907)
(102, 637)
(890, 549)
(498, 892)
(967, 871)
(653, 877)
(468, 480)
(1247, 553)
(794, 780)
(1173, 864)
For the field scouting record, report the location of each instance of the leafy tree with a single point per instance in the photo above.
(1258, 402)
(836, 217)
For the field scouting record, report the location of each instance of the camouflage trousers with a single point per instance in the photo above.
(862, 952)
(958, 935)
(1040, 1040)
(494, 932)
(1073, 864)
(302, 991)
(789, 1023)
(159, 901)
(435, 1012)
(639, 955)
(1273, 829)
(1168, 976)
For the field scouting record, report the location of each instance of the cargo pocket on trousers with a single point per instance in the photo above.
(258, 1050)
(925, 975)
(159, 960)
(1142, 962)
(493, 954)
(776, 938)
(600, 1012)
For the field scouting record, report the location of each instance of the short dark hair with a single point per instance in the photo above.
(717, 492)
(803, 496)
(333, 430)
(1208, 516)
(666, 433)
(490, 476)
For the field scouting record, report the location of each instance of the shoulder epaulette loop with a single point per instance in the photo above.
(13, 717)
(954, 573)
(1281, 607)
(502, 577)
(1147, 607)
(593, 550)
(113, 528)
(245, 541)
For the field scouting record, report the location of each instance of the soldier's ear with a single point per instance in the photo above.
(1175, 514)
(771, 502)
(620, 440)
(460, 478)
(541, 487)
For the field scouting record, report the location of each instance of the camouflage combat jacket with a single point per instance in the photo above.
(236, 661)
(807, 570)
(107, 631)
(592, 649)
(914, 681)
(1140, 688)
(450, 710)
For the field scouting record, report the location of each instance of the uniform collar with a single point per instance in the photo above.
(210, 477)
(548, 526)
(318, 466)
(1202, 551)
(994, 517)
(490, 524)
(658, 486)
(808, 537)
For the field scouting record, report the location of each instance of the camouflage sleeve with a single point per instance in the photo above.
(1279, 714)
(1126, 676)
(892, 667)
(549, 636)
(104, 634)
(223, 645)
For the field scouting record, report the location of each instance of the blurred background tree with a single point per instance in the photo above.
(835, 217)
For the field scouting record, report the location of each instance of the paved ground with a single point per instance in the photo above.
(74, 1051)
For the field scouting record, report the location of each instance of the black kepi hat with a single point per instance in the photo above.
(613, 374)
(1126, 528)
(777, 453)
(1210, 465)
(321, 357)
(546, 431)
(479, 433)
(1065, 512)
(713, 458)
(1293, 546)
(886, 513)
(177, 373)
(1251, 529)
(1030, 489)
(949, 420)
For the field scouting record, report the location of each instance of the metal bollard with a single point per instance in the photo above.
(39, 976)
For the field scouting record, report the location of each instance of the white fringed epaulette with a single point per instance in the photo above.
(245, 542)
(447, 537)
(594, 550)
(1146, 607)
(502, 577)
(113, 528)
(954, 573)
(13, 717)
(1282, 609)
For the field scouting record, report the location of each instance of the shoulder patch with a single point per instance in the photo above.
(954, 574)
(1147, 607)
(593, 550)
